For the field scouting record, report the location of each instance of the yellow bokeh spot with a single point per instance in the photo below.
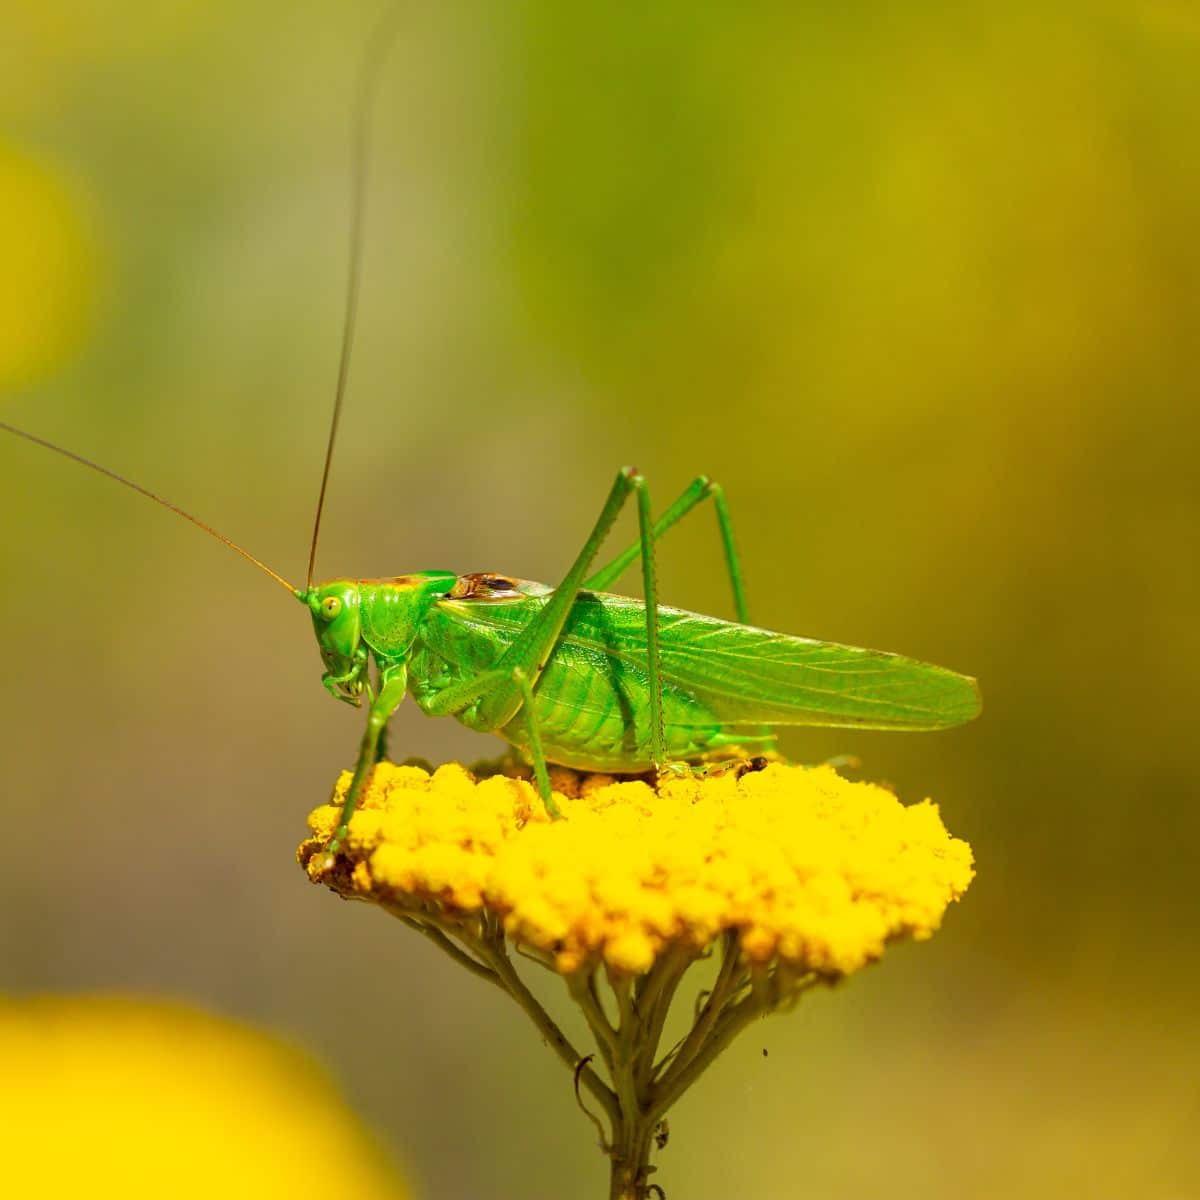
(47, 267)
(110, 1096)
(808, 869)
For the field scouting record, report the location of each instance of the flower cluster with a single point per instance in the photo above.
(810, 870)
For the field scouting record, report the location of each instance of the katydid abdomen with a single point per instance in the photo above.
(721, 681)
(591, 701)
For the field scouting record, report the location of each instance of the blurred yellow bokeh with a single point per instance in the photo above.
(49, 265)
(112, 1096)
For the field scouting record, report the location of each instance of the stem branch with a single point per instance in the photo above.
(722, 989)
(581, 985)
(732, 1022)
(493, 951)
(460, 956)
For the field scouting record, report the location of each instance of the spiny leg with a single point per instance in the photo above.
(733, 560)
(532, 648)
(700, 489)
(391, 693)
(537, 755)
(658, 734)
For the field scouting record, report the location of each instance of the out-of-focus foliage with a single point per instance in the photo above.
(919, 284)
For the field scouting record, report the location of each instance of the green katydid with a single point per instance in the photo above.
(581, 677)
(573, 674)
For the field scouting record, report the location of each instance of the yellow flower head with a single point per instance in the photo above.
(812, 872)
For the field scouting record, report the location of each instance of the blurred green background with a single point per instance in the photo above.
(920, 285)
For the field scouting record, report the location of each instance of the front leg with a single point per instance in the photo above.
(392, 682)
(333, 684)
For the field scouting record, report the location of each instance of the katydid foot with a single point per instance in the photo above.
(323, 862)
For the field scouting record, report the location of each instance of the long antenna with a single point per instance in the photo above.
(368, 80)
(137, 487)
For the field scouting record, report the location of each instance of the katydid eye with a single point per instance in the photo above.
(330, 607)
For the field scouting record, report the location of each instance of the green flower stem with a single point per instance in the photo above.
(492, 949)
(644, 1085)
(486, 955)
(631, 1141)
(655, 991)
(733, 1017)
(732, 1021)
(460, 956)
(582, 986)
(722, 988)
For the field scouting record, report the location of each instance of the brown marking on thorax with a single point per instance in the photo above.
(486, 585)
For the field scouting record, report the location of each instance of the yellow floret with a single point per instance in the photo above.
(810, 870)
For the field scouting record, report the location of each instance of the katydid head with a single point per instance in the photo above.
(336, 609)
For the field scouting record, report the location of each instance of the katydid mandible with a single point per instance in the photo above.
(575, 675)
